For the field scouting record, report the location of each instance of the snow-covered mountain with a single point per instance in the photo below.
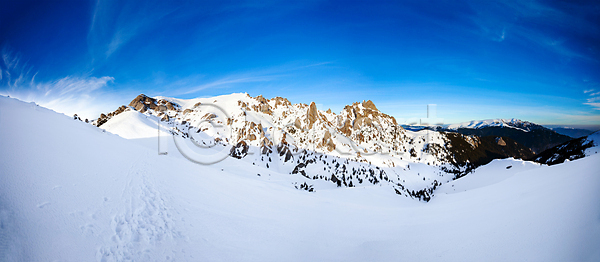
(536, 137)
(574, 149)
(70, 191)
(570, 131)
(357, 146)
(510, 123)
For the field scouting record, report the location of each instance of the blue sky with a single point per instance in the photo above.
(533, 60)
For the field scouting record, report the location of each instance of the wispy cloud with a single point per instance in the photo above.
(195, 84)
(13, 70)
(227, 81)
(593, 98)
(537, 23)
(115, 23)
(69, 95)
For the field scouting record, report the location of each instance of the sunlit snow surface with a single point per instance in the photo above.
(71, 192)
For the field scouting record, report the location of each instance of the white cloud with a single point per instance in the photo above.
(13, 71)
(596, 106)
(194, 84)
(69, 95)
(74, 85)
(227, 81)
(593, 99)
(115, 23)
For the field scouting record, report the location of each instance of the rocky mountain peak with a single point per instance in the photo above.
(311, 114)
(262, 106)
(280, 101)
(143, 102)
(369, 105)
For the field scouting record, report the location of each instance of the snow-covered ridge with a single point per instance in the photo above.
(594, 139)
(571, 150)
(510, 123)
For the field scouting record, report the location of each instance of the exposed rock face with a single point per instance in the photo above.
(284, 150)
(240, 150)
(142, 103)
(263, 105)
(369, 105)
(280, 101)
(327, 142)
(500, 141)
(297, 123)
(311, 114)
(104, 118)
(363, 123)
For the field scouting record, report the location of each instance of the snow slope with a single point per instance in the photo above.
(71, 192)
(495, 172)
(594, 140)
(134, 125)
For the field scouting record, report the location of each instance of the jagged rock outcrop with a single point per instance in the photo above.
(142, 103)
(311, 114)
(104, 118)
(500, 141)
(240, 150)
(262, 106)
(369, 105)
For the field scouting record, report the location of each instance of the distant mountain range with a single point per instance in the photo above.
(572, 132)
(536, 137)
